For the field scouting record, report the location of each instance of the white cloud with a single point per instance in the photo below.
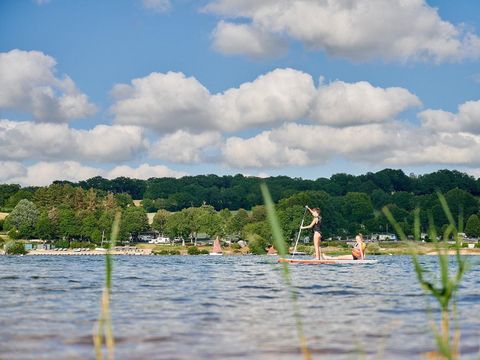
(473, 172)
(11, 169)
(144, 171)
(184, 147)
(164, 102)
(467, 119)
(169, 102)
(341, 104)
(447, 149)
(359, 30)
(278, 96)
(32, 141)
(28, 83)
(44, 173)
(159, 6)
(387, 144)
(246, 39)
(262, 151)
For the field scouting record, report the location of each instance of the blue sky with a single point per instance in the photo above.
(144, 88)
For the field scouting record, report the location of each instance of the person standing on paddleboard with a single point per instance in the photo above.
(315, 225)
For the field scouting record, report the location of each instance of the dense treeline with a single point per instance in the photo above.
(215, 205)
(236, 192)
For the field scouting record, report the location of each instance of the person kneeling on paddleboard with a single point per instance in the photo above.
(358, 251)
(315, 225)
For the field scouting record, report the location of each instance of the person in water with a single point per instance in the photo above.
(358, 251)
(315, 225)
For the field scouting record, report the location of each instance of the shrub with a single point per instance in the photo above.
(235, 246)
(193, 250)
(81, 244)
(305, 248)
(14, 234)
(167, 252)
(373, 249)
(257, 245)
(15, 248)
(62, 243)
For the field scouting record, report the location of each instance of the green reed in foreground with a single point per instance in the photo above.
(281, 247)
(103, 327)
(445, 288)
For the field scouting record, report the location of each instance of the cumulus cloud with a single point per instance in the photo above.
(246, 39)
(467, 119)
(164, 102)
(172, 101)
(278, 96)
(385, 144)
(296, 145)
(11, 169)
(33, 141)
(184, 147)
(341, 104)
(358, 30)
(44, 173)
(262, 151)
(28, 83)
(159, 6)
(144, 171)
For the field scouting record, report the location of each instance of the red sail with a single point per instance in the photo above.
(216, 246)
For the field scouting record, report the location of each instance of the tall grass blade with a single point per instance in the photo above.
(281, 247)
(103, 327)
(444, 292)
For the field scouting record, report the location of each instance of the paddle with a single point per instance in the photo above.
(299, 231)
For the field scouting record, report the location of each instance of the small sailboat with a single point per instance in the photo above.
(217, 249)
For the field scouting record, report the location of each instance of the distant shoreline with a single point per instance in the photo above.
(148, 252)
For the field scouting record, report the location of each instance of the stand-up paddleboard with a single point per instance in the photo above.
(327, 261)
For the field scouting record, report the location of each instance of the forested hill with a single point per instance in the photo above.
(235, 192)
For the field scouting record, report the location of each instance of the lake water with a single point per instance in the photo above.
(237, 307)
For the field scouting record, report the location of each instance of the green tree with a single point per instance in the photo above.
(225, 215)
(379, 199)
(134, 221)
(123, 200)
(68, 224)
(357, 207)
(237, 222)
(259, 228)
(290, 220)
(44, 227)
(209, 221)
(13, 200)
(89, 226)
(472, 229)
(176, 226)
(259, 213)
(24, 217)
(160, 221)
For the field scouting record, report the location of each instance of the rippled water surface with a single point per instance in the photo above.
(237, 307)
